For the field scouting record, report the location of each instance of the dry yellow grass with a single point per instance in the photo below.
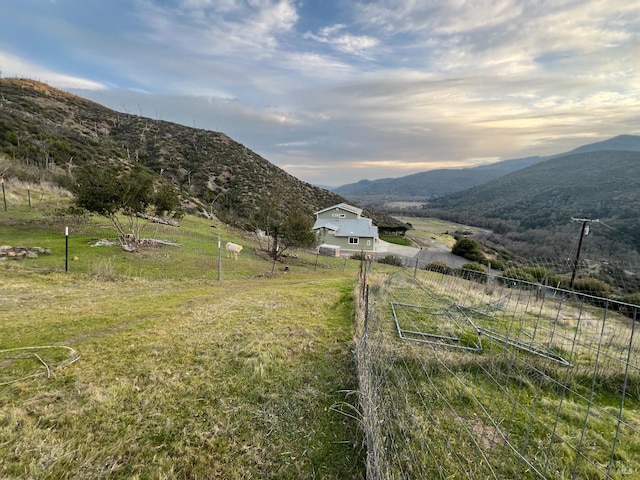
(179, 379)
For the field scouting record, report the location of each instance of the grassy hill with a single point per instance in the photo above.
(46, 133)
(531, 209)
(146, 366)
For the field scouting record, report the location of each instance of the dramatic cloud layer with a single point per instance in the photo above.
(336, 91)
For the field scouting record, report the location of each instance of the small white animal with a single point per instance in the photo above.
(233, 249)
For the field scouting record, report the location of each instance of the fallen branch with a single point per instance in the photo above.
(161, 220)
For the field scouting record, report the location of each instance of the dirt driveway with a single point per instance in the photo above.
(434, 251)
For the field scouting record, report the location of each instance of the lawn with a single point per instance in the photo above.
(147, 366)
(240, 379)
(427, 230)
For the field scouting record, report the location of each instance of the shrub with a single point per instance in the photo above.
(633, 298)
(496, 264)
(630, 311)
(592, 286)
(359, 256)
(391, 260)
(473, 271)
(476, 267)
(440, 267)
(532, 275)
(517, 274)
(469, 249)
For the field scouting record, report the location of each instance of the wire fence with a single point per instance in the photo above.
(476, 375)
(53, 241)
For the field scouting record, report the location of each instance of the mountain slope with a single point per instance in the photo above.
(54, 132)
(628, 143)
(602, 184)
(433, 183)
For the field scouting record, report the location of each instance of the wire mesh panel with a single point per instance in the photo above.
(476, 376)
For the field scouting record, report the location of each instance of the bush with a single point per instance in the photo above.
(592, 286)
(473, 271)
(497, 264)
(440, 267)
(359, 256)
(391, 260)
(475, 267)
(629, 311)
(532, 275)
(633, 298)
(469, 249)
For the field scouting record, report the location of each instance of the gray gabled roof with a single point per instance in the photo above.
(329, 224)
(346, 227)
(343, 206)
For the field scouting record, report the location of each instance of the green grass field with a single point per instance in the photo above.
(146, 366)
(427, 229)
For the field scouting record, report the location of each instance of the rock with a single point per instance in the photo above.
(19, 253)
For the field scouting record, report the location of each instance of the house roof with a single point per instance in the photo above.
(326, 223)
(343, 227)
(343, 206)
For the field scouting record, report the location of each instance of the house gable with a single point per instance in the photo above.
(340, 211)
(343, 226)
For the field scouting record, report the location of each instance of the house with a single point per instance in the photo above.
(344, 226)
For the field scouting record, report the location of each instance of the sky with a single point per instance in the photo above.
(336, 91)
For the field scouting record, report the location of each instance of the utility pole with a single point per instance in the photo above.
(586, 222)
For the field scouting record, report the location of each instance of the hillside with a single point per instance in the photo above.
(434, 183)
(534, 206)
(48, 133)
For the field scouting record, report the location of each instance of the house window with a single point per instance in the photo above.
(368, 243)
(354, 240)
(342, 215)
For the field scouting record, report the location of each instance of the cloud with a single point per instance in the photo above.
(13, 66)
(365, 88)
(343, 42)
(219, 28)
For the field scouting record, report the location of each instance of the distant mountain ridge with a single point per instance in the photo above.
(530, 210)
(434, 183)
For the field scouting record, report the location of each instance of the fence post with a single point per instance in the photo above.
(366, 307)
(4, 197)
(219, 258)
(66, 249)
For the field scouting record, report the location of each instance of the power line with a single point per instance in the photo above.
(586, 222)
